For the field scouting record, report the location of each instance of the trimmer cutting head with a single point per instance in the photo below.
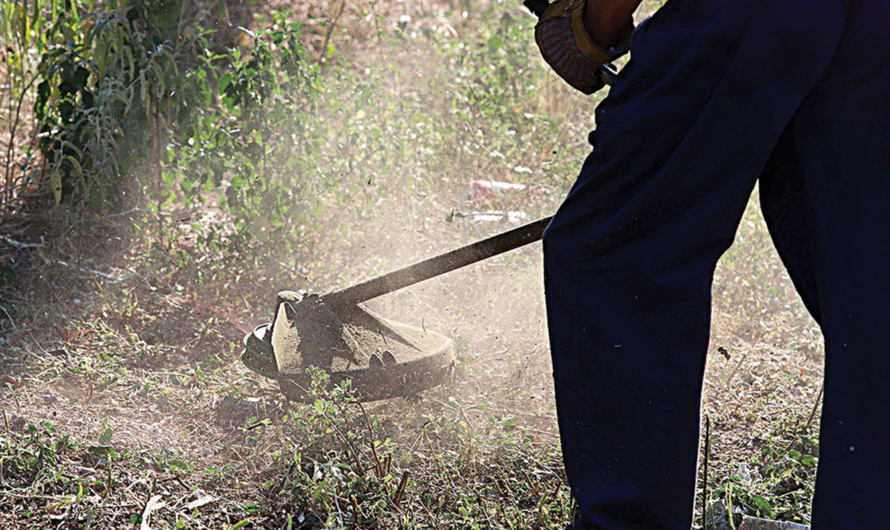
(383, 358)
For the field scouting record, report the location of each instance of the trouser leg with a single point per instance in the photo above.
(827, 201)
(630, 254)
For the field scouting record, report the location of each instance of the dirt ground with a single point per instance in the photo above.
(153, 358)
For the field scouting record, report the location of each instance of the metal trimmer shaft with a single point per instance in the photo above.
(432, 267)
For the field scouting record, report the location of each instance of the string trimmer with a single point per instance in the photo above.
(337, 333)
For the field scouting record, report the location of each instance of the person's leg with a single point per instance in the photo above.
(630, 254)
(833, 178)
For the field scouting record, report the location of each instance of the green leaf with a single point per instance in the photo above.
(224, 82)
(763, 506)
(177, 464)
(105, 437)
(168, 177)
(55, 184)
(320, 405)
(43, 92)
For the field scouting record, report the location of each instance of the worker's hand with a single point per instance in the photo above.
(571, 52)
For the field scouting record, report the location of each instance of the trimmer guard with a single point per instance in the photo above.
(383, 358)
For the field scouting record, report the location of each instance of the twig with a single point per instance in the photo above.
(438, 460)
(153, 504)
(5, 312)
(346, 442)
(104, 217)
(160, 176)
(557, 484)
(429, 512)
(815, 407)
(15, 125)
(178, 480)
(15, 396)
(90, 271)
(8, 433)
(109, 460)
(19, 245)
(401, 489)
(378, 465)
(356, 513)
(528, 480)
(330, 30)
(729, 503)
(337, 504)
(481, 503)
(736, 369)
(704, 494)
(286, 478)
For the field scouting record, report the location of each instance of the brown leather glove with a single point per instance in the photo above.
(569, 50)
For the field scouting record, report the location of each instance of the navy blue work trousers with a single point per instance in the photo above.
(719, 94)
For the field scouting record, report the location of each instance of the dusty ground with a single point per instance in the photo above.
(153, 359)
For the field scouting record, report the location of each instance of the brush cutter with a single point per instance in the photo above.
(337, 333)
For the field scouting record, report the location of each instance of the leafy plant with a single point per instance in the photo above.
(251, 142)
(104, 76)
(32, 460)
